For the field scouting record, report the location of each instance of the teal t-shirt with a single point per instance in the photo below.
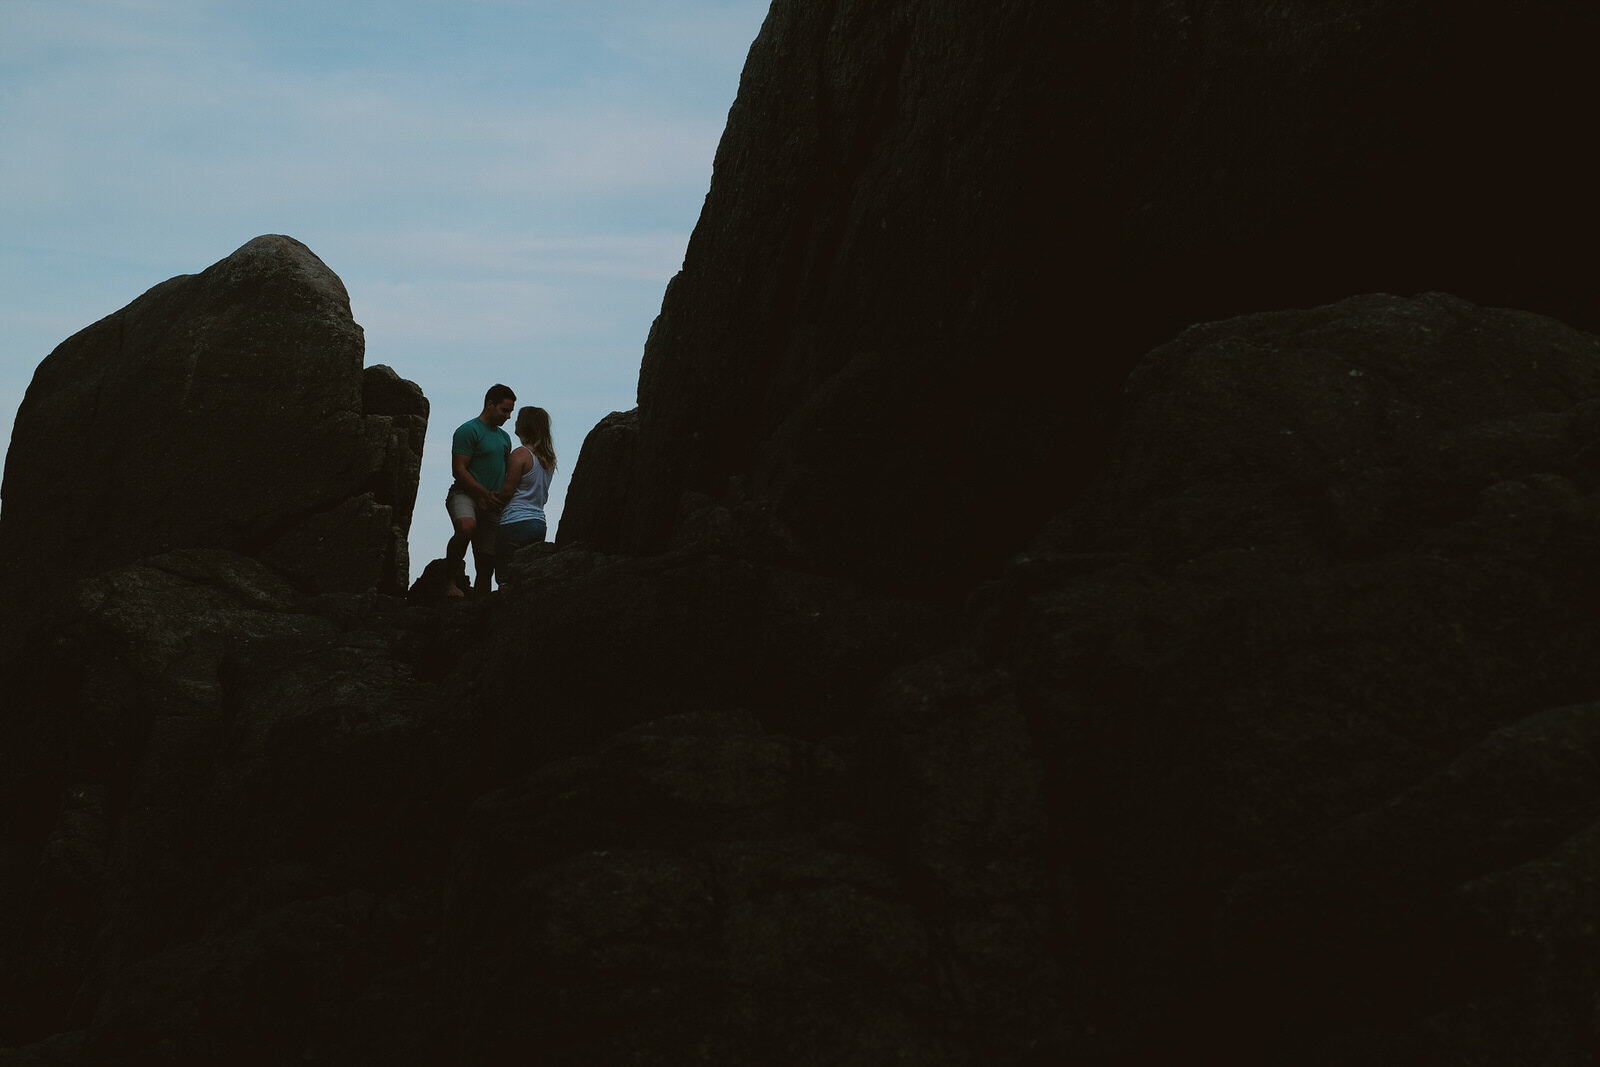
(486, 448)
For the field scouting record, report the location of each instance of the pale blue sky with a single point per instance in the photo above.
(505, 186)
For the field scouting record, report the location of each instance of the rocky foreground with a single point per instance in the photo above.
(953, 660)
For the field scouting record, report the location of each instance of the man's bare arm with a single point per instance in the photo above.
(458, 467)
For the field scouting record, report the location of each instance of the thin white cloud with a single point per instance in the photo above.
(483, 313)
(295, 138)
(651, 257)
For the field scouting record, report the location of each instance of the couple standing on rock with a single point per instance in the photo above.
(496, 502)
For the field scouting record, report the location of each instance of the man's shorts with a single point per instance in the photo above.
(460, 505)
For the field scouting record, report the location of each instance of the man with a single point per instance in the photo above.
(478, 451)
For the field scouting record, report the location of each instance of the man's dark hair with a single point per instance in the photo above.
(498, 393)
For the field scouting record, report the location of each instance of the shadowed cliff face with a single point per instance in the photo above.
(1312, 671)
(1276, 747)
(938, 236)
(226, 409)
(1273, 745)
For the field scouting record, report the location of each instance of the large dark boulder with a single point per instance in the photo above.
(698, 888)
(227, 409)
(585, 644)
(1312, 675)
(228, 832)
(385, 394)
(937, 237)
(175, 596)
(592, 512)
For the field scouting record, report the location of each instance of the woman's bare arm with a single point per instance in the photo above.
(520, 463)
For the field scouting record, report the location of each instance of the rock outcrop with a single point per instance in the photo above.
(937, 237)
(1257, 724)
(227, 409)
(242, 490)
(213, 782)
(1276, 745)
(1312, 674)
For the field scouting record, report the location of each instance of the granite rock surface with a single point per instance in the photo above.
(226, 409)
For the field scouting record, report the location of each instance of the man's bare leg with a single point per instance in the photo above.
(456, 547)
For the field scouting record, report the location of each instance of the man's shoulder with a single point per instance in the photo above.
(467, 434)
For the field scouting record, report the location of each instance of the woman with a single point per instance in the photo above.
(527, 484)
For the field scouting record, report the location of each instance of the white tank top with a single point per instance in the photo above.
(528, 501)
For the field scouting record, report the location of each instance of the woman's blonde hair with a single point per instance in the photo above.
(533, 427)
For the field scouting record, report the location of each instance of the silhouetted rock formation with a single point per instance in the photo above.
(226, 409)
(1278, 744)
(229, 782)
(937, 237)
(243, 490)
(1312, 674)
(886, 700)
